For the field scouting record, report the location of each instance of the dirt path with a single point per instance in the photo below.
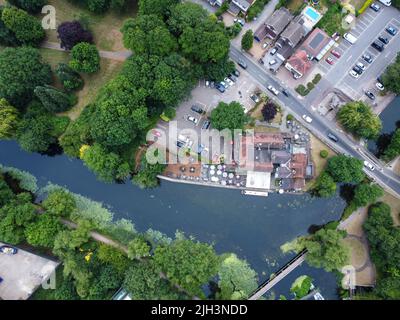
(112, 55)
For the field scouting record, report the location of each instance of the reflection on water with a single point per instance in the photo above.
(252, 227)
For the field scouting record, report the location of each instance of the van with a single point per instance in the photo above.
(387, 3)
(350, 38)
(183, 139)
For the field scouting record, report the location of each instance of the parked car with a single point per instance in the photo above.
(307, 118)
(265, 45)
(379, 86)
(224, 84)
(193, 119)
(329, 60)
(156, 133)
(387, 3)
(179, 144)
(370, 166)
(197, 108)
(333, 137)
(361, 66)
(357, 69)
(242, 64)
(370, 95)
(206, 125)
(272, 62)
(229, 81)
(273, 51)
(354, 74)
(236, 72)
(336, 53)
(1, 279)
(350, 38)
(384, 40)
(391, 30)
(273, 90)
(375, 7)
(240, 21)
(8, 250)
(368, 58)
(378, 46)
(285, 92)
(255, 98)
(220, 87)
(232, 77)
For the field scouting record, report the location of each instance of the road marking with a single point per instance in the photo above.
(351, 56)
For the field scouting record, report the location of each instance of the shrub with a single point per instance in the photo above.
(71, 33)
(317, 78)
(85, 58)
(324, 154)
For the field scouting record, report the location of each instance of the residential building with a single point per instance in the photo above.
(240, 6)
(274, 25)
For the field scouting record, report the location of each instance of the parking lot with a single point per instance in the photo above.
(207, 98)
(22, 273)
(369, 26)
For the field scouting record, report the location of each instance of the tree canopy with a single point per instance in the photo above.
(9, 119)
(71, 33)
(228, 116)
(345, 169)
(85, 58)
(247, 40)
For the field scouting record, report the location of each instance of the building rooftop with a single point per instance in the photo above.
(300, 62)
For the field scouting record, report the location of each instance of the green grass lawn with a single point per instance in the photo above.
(105, 27)
(331, 22)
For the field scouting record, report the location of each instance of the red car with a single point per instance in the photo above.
(336, 54)
(329, 60)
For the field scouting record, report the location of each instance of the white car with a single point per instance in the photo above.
(379, 86)
(273, 90)
(265, 45)
(369, 165)
(229, 81)
(360, 65)
(192, 119)
(224, 84)
(354, 74)
(307, 118)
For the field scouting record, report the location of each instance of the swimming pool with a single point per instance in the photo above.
(314, 15)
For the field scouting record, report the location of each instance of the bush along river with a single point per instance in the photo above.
(390, 122)
(252, 227)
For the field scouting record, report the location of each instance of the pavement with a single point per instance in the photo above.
(22, 273)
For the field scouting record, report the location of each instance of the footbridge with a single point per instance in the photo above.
(279, 275)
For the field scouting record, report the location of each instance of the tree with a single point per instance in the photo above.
(187, 263)
(85, 58)
(161, 8)
(269, 111)
(71, 33)
(236, 279)
(15, 216)
(138, 248)
(7, 37)
(148, 35)
(70, 79)
(43, 231)
(358, 118)
(326, 249)
(391, 78)
(27, 29)
(325, 186)
(345, 169)
(147, 175)
(98, 6)
(9, 119)
(113, 256)
(247, 40)
(301, 286)
(6, 194)
(143, 282)
(228, 116)
(108, 166)
(21, 71)
(32, 6)
(324, 154)
(366, 193)
(186, 15)
(59, 203)
(393, 150)
(53, 99)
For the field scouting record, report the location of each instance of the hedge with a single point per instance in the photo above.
(366, 5)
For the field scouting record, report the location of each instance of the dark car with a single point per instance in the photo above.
(1, 279)
(180, 144)
(236, 73)
(8, 250)
(197, 109)
(358, 69)
(375, 7)
(379, 79)
(367, 58)
(285, 93)
(391, 30)
(370, 95)
(378, 46)
(333, 137)
(220, 87)
(242, 64)
(232, 77)
(206, 124)
(383, 39)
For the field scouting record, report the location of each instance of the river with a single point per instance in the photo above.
(252, 227)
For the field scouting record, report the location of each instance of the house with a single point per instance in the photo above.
(274, 25)
(299, 63)
(240, 6)
(294, 32)
(216, 2)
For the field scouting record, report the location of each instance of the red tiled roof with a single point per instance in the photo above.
(300, 62)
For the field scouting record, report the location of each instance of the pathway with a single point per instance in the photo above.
(112, 55)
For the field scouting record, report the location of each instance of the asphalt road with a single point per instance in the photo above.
(319, 126)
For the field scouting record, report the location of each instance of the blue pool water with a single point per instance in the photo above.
(314, 15)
